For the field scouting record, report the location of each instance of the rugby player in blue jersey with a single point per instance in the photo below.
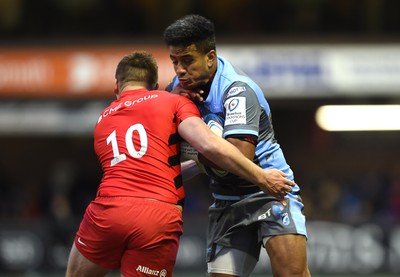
(242, 218)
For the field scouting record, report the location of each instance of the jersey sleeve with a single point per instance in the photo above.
(185, 109)
(242, 111)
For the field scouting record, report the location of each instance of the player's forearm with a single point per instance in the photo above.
(218, 150)
(272, 181)
(229, 158)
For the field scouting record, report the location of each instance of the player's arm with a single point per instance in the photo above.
(228, 157)
(246, 147)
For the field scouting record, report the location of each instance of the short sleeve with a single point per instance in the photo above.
(186, 108)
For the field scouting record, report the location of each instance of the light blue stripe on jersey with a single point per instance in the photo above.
(239, 132)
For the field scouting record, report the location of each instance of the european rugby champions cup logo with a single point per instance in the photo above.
(235, 111)
(233, 104)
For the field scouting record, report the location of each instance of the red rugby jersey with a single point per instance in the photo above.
(137, 143)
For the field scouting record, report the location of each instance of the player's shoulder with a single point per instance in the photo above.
(172, 99)
(165, 94)
(160, 92)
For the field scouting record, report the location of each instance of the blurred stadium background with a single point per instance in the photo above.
(57, 60)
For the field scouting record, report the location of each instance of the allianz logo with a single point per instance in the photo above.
(146, 270)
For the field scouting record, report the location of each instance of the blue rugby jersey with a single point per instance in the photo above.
(241, 102)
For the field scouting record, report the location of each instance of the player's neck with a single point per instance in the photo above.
(133, 87)
(127, 88)
(206, 88)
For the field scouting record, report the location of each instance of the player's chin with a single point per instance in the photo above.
(186, 84)
(191, 85)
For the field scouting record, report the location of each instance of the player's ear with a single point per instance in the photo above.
(116, 90)
(211, 58)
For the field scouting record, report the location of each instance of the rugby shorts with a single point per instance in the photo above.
(139, 236)
(243, 224)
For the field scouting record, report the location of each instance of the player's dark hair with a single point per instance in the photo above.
(191, 29)
(139, 66)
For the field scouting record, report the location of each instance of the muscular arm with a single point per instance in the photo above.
(248, 150)
(228, 157)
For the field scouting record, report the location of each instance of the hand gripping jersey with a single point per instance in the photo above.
(241, 102)
(137, 143)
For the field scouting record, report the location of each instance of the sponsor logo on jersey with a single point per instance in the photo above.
(81, 242)
(276, 212)
(147, 270)
(233, 104)
(265, 215)
(235, 111)
(234, 91)
(127, 103)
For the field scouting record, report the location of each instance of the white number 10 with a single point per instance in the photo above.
(129, 144)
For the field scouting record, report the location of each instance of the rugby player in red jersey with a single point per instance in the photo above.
(135, 221)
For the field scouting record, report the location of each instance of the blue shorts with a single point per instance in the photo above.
(242, 224)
